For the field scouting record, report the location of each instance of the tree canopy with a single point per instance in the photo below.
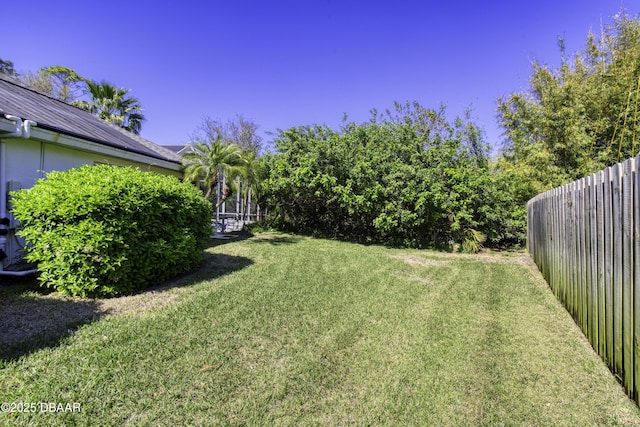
(580, 117)
(113, 105)
(6, 67)
(58, 82)
(238, 130)
(105, 100)
(408, 177)
(208, 163)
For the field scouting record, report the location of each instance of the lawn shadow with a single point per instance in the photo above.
(32, 318)
(276, 240)
(224, 238)
(214, 265)
(272, 239)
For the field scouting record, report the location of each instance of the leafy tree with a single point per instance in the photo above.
(580, 117)
(68, 84)
(113, 105)
(6, 67)
(109, 103)
(238, 130)
(208, 162)
(38, 81)
(408, 177)
(58, 82)
(252, 176)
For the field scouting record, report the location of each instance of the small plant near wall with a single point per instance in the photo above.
(106, 231)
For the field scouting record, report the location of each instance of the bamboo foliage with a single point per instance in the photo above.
(585, 239)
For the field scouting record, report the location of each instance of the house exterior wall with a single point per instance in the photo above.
(62, 158)
(27, 160)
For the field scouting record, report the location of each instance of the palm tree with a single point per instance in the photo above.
(113, 105)
(252, 177)
(211, 162)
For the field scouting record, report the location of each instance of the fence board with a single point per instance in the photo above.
(602, 339)
(571, 240)
(589, 264)
(577, 264)
(608, 281)
(617, 270)
(585, 238)
(636, 277)
(627, 271)
(583, 273)
(562, 256)
(592, 263)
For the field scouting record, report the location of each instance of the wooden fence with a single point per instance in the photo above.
(585, 239)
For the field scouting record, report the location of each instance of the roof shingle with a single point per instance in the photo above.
(52, 114)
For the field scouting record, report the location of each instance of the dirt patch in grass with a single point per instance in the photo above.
(140, 303)
(419, 279)
(438, 259)
(416, 260)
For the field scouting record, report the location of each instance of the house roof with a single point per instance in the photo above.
(52, 114)
(176, 148)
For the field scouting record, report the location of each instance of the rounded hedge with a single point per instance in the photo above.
(106, 231)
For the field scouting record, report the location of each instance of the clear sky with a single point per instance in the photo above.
(290, 63)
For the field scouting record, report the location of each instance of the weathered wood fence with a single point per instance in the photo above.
(585, 239)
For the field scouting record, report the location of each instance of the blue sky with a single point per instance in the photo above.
(291, 63)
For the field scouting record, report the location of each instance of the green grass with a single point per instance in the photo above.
(298, 331)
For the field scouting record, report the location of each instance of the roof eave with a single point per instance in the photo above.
(43, 132)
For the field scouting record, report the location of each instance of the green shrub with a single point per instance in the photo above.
(409, 178)
(106, 231)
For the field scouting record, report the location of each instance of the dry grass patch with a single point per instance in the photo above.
(418, 260)
(34, 314)
(437, 259)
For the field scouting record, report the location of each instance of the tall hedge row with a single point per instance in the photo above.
(106, 231)
(409, 178)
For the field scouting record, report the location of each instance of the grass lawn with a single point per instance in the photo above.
(286, 330)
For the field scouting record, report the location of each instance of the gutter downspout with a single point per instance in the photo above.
(23, 130)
